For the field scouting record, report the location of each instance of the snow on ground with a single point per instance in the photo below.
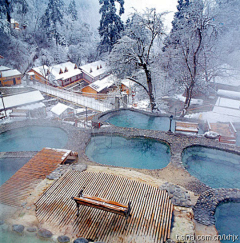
(193, 101)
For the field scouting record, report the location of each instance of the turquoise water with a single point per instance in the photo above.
(127, 118)
(9, 166)
(228, 220)
(138, 153)
(216, 168)
(11, 237)
(32, 138)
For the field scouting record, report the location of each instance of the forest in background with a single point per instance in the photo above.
(202, 44)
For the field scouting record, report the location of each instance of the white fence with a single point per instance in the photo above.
(73, 97)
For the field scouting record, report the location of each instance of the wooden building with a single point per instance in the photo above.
(100, 88)
(57, 75)
(94, 71)
(9, 77)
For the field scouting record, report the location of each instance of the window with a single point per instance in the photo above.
(61, 71)
(66, 70)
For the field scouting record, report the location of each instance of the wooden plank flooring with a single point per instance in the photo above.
(15, 190)
(151, 207)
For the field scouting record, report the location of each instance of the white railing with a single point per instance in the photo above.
(74, 97)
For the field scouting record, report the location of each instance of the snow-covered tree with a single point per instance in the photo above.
(52, 21)
(134, 54)
(111, 24)
(190, 46)
(72, 10)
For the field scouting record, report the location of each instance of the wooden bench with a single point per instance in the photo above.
(186, 127)
(103, 204)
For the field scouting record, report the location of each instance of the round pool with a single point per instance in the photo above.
(227, 217)
(128, 118)
(32, 138)
(216, 168)
(140, 153)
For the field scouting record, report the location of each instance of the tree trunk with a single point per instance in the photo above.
(150, 88)
(189, 91)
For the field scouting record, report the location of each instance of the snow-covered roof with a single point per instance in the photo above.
(228, 94)
(59, 108)
(3, 68)
(32, 106)
(21, 99)
(60, 71)
(102, 84)
(128, 83)
(68, 70)
(94, 69)
(10, 73)
(230, 103)
(31, 73)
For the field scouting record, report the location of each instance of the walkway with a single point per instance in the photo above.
(74, 97)
(151, 208)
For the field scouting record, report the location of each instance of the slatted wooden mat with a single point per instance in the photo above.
(15, 190)
(151, 208)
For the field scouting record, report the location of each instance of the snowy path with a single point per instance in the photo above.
(73, 97)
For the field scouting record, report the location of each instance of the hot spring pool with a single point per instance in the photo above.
(9, 166)
(228, 219)
(216, 168)
(140, 153)
(32, 138)
(127, 118)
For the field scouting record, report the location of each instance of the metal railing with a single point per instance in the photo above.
(74, 97)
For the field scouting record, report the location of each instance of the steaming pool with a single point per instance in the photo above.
(128, 118)
(215, 168)
(32, 138)
(228, 219)
(140, 153)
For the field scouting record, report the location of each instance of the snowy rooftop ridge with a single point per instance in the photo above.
(102, 84)
(94, 69)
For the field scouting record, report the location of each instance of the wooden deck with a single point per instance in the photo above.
(15, 190)
(227, 131)
(151, 208)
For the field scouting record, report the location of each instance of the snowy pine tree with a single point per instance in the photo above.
(52, 21)
(111, 24)
(72, 10)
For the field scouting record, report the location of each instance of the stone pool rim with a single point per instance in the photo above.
(128, 137)
(228, 150)
(99, 118)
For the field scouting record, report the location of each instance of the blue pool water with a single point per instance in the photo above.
(32, 138)
(213, 167)
(9, 166)
(127, 118)
(138, 153)
(228, 220)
